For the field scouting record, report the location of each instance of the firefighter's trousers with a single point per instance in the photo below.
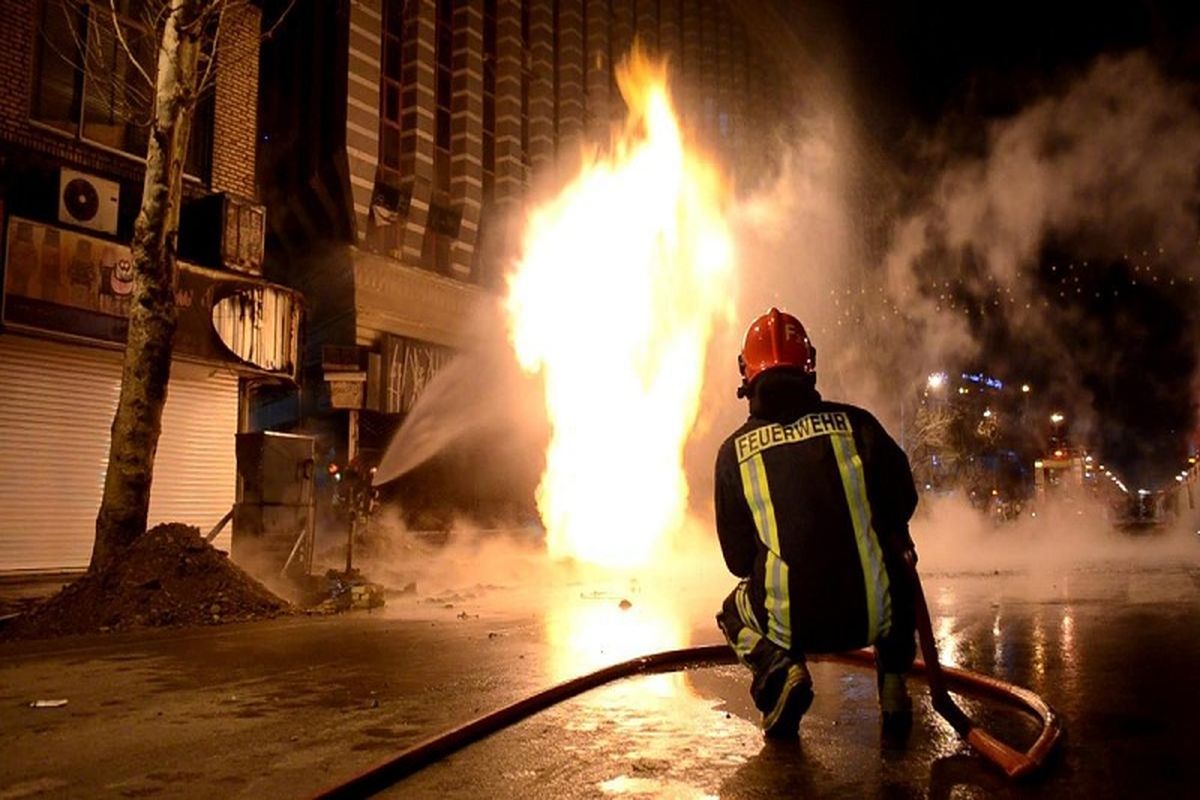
(894, 652)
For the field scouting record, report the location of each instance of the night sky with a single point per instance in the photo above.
(925, 63)
(1123, 315)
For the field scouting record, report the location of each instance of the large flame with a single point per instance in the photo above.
(622, 279)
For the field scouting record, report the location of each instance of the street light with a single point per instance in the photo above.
(936, 381)
(1025, 388)
(987, 412)
(1056, 418)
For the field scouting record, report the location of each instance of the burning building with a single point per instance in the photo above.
(402, 143)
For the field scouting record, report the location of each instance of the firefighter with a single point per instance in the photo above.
(813, 500)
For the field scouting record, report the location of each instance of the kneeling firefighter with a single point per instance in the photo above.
(812, 506)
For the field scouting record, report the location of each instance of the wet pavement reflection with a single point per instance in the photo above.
(1113, 650)
(288, 707)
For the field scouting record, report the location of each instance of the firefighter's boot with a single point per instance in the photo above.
(895, 705)
(786, 694)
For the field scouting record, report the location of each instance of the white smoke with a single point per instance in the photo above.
(1109, 162)
(1112, 157)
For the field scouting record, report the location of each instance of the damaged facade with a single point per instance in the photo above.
(401, 142)
(71, 169)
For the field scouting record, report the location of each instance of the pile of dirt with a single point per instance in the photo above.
(168, 577)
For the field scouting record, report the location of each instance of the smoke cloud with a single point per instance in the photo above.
(1060, 248)
(1065, 253)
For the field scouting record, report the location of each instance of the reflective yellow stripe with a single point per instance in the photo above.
(879, 608)
(758, 495)
(743, 605)
(746, 640)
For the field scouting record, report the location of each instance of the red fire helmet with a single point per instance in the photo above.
(776, 339)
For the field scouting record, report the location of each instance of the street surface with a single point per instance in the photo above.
(285, 708)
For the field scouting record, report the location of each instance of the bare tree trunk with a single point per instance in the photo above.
(152, 316)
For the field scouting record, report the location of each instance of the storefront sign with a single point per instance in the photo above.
(68, 282)
(408, 366)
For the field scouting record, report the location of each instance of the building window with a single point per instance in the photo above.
(397, 122)
(392, 88)
(89, 80)
(445, 72)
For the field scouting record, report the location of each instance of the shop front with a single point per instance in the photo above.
(66, 297)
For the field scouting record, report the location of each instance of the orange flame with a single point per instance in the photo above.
(622, 280)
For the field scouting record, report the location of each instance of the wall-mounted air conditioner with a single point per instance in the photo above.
(88, 201)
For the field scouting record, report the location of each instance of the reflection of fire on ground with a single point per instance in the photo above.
(599, 627)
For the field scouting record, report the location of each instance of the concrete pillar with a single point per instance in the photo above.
(510, 173)
(620, 42)
(466, 133)
(598, 70)
(418, 135)
(541, 85)
(647, 24)
(669, 32)
(362, 105)
(690, 63)
(570, 69)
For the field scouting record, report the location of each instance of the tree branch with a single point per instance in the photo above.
(116, 21)
(229, 62)
(80, 41)
(274, 26)
(203, 83)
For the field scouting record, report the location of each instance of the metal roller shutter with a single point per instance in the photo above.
(56, 408)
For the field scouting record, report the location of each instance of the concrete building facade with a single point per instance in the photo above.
(402, 138)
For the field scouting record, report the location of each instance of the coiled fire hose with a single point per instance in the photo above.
(1012, 762)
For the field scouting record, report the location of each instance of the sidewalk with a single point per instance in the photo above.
(17, 592)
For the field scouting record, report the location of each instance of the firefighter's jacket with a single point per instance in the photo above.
(814, 513)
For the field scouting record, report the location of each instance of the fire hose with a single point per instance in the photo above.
(1014, 763)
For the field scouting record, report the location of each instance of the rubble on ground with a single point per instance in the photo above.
(343, 591)
(169, 577)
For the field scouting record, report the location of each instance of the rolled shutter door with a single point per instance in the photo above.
(56, 408)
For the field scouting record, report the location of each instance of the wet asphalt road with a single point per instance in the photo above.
(285, 708)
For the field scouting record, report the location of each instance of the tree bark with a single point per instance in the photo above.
(152, 316)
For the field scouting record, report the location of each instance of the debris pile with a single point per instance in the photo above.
(169, 577)
(343, 591)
